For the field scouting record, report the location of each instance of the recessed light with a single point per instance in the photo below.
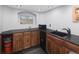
(49, 6)
(39, 9)
(19, 5)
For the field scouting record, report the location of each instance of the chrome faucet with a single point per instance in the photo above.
(68, 31)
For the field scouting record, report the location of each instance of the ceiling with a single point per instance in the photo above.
(35, 8)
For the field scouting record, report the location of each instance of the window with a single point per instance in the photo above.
(27, 18)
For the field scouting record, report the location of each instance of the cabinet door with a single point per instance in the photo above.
(55, 45)
(53, 48)
(65, 50)
(27, 40)
(17, 41)
(15, 44)
(35, 38)
(48, 45)
(0, 44)
(21, 42)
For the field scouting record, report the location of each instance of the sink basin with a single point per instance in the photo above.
(61, 34)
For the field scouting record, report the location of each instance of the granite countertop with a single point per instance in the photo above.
(73, 38)
(19, 30)
(0, 33)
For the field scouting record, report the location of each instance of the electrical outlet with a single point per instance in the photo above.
(49, 25)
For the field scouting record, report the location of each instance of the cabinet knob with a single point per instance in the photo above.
(27, 40)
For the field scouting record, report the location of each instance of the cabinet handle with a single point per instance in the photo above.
(27, 40)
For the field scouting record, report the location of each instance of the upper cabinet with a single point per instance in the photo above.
(27, 18)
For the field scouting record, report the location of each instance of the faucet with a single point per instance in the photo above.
(68, 31)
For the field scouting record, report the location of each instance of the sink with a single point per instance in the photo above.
(61, 34)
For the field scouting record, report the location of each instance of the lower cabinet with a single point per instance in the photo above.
(55, 45)
(25, 40)
(0, 44)
(53, 48)
(18, 42)
(65, 50)
(58, 49)
(48, 45)
(34, 38)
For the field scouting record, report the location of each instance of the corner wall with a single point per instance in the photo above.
(62, 18)
(11, 21)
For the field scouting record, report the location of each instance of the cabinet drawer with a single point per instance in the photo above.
(17, 34)
(27, 33)
(25, 37)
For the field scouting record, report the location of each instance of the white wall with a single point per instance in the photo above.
(62, 18)
(59, 18)
(1, 19)
(11, 21)
(41, 18)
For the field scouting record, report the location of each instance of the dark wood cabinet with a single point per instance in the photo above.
(72, 47)
(34, 38)
(27, 40)
(55, 45)
(0, 43)
(17, 42)
(48, 45)
(65, 50)
(24, 40)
